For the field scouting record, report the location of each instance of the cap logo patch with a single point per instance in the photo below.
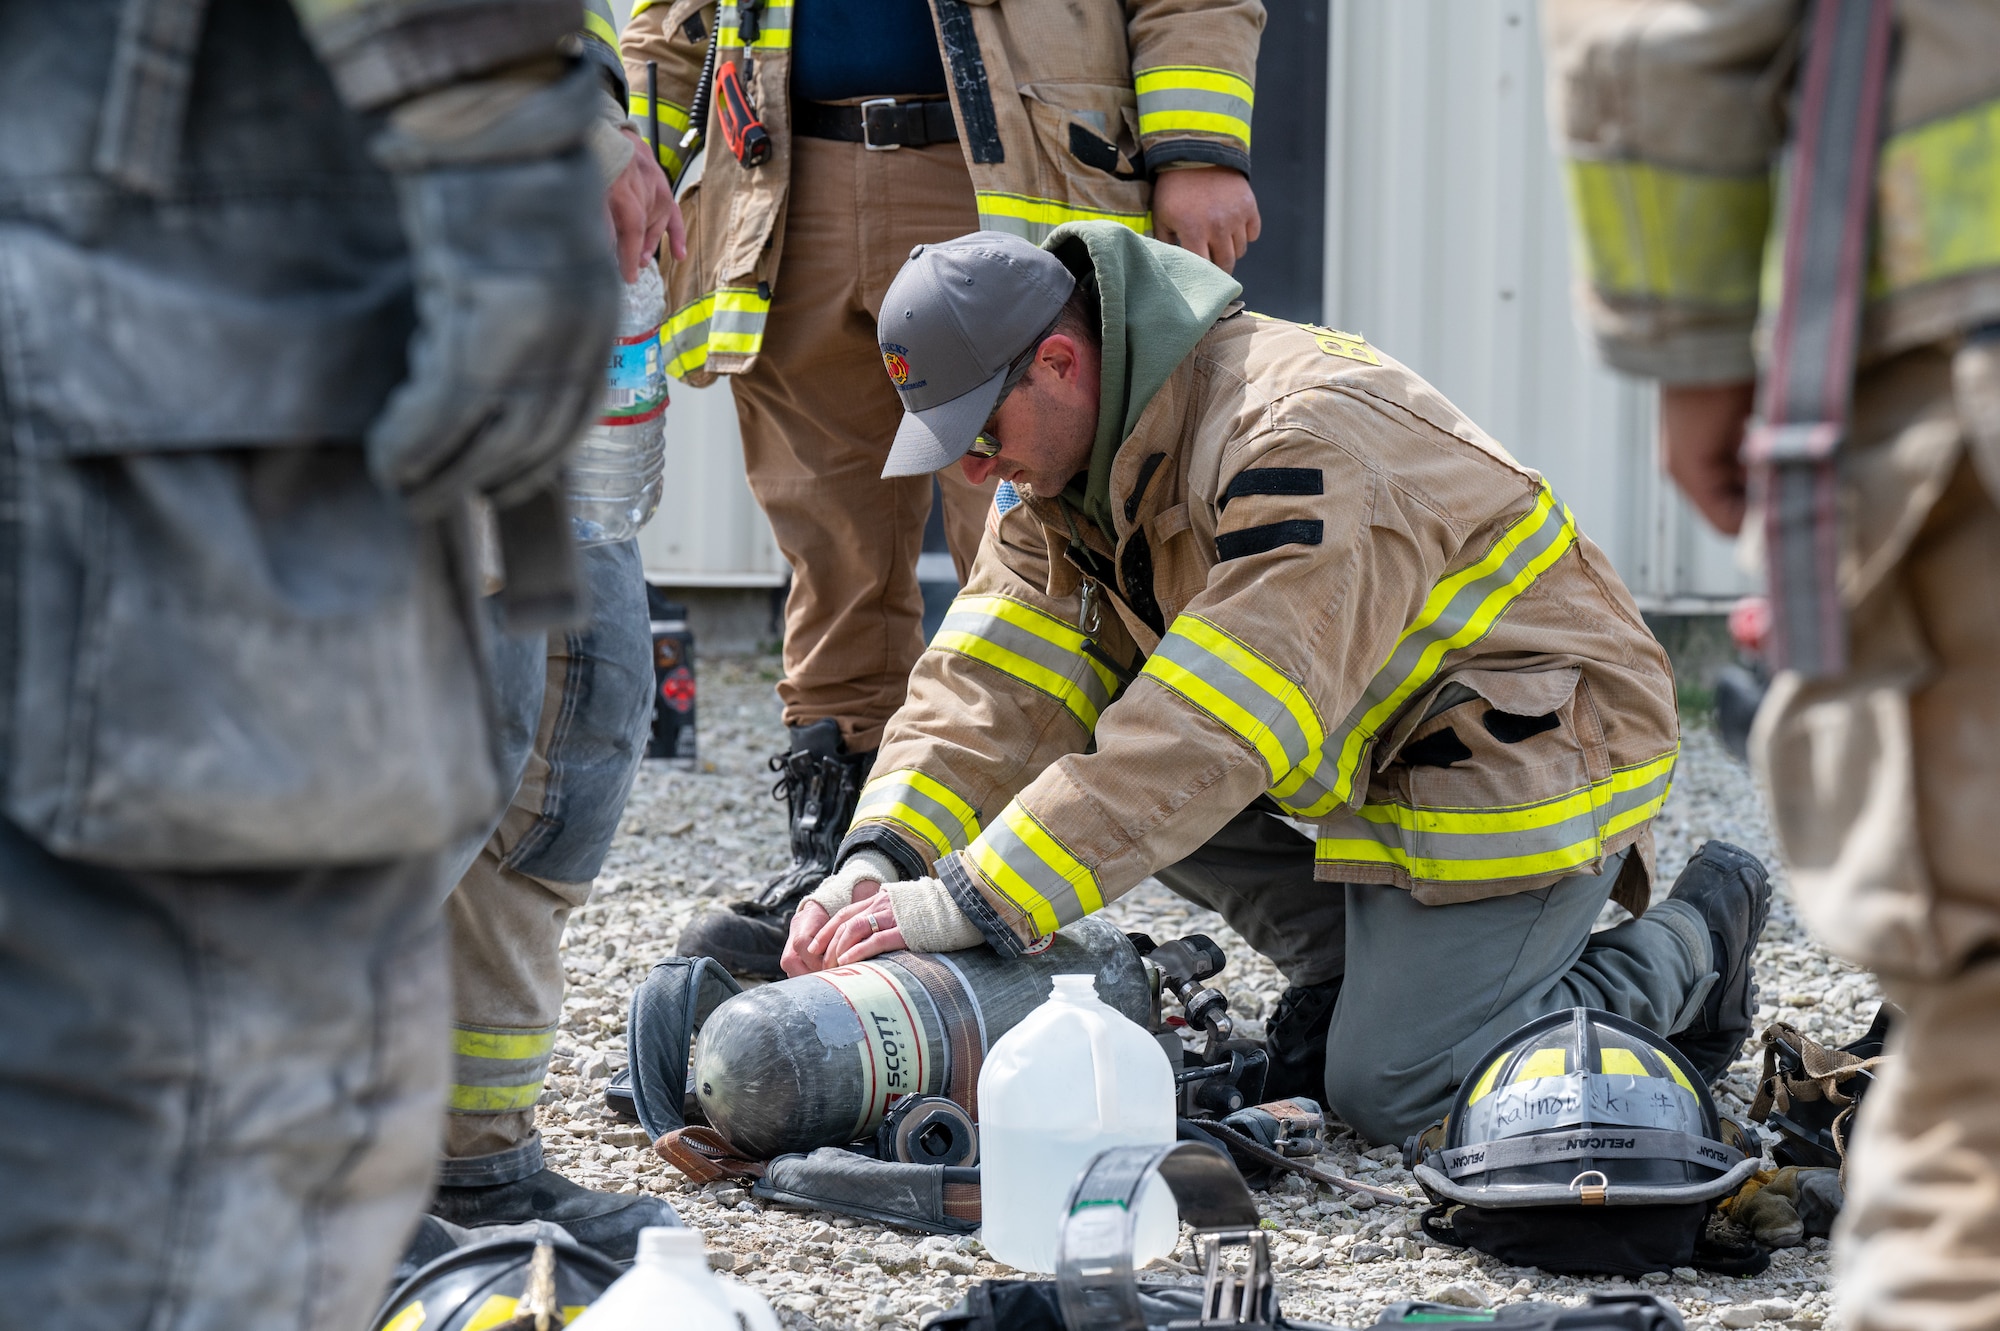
(897, 361)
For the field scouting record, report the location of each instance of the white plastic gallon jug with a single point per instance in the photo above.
(670, 1288)
(1076, 1077)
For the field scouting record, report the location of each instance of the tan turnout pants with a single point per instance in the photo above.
(818, 413)
(1885, 785)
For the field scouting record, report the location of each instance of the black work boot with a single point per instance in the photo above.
(820, 783)
(1295, 1042)
(1731, 889)
(514, 1186)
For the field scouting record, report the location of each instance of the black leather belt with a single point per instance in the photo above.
(879, 124)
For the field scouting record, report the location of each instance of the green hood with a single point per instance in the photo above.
(1157, 301)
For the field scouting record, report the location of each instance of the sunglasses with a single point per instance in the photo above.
(985, 444)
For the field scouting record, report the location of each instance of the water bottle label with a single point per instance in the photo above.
(892, 1038)
(635, 382)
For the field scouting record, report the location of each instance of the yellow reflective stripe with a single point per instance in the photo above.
(1032, 218)
(599, 26)
(1542, 1063)
(1937, 200)
(510, 1045)
(1199, 122)
(1524, 841)
(1658, 233)
(920, 804)
(1679, 1076)
(1026, 864)
(673, 124)
(1226, 678)
(1030, 645)
(1487, 1078)
(1459, 611)
(774, 28)
(1200, 78)
(495, 1099)
(1621, 1062)
(500, 1310)
(410, 1318)
(729, 321)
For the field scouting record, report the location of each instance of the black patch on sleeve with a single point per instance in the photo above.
(968, 77)
(1440, 748)
(1275, 481)
(1257, 540)
(694, 29)
(1512, 727)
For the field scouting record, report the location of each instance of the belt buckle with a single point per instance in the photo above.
(867, 142)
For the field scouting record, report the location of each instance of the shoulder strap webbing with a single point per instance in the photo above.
(1808, 381)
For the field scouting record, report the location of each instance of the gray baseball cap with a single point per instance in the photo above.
(953, 322)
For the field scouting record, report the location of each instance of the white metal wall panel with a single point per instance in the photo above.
(709, 532)
(1447, 245)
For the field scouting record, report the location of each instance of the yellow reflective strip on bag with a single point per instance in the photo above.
(495, 1099)
(1937, 201)
(1231, 682)
(1032, 218)
(921, 804)
(513, 1046)
(1028, 866)
(1654, 232)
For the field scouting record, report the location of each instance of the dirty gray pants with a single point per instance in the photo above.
(218, 1092)
(1428, 989)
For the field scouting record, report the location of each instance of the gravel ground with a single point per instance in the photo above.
(694, 839)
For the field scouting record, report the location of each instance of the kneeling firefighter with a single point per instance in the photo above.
(1259, 575)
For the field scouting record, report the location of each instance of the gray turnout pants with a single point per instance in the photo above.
(1427, 989)
(218, 1091)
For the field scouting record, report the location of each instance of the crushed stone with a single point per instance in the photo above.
(692, 840)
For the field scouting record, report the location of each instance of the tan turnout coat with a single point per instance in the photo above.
(1329, 589)
(1064, 108)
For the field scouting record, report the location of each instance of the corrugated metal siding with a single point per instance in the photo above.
(1446, 243)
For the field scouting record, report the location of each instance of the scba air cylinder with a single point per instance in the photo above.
(818, 1060)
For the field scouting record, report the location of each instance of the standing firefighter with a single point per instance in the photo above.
(285, 289)
(880, 126)
(1265, 573)
(1871, 492)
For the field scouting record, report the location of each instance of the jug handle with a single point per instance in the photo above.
(750, 1307)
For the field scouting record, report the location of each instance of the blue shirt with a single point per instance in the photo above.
(864, 48)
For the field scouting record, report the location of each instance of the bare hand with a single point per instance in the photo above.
(1208, 211)
(643, 209)
(798, 958)
(1701, 440)
(865, 929)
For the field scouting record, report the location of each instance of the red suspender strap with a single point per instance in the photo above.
(1807, 387)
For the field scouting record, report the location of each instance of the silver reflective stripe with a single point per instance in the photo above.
(1597, 1143)
(921, 805)
(1034, 871)
(1460, 610)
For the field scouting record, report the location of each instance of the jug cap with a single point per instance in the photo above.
(671, 1243)
(1076, 987)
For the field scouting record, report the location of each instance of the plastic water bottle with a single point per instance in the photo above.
(670, 1288)
(618, 469)
(1076, 1077)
